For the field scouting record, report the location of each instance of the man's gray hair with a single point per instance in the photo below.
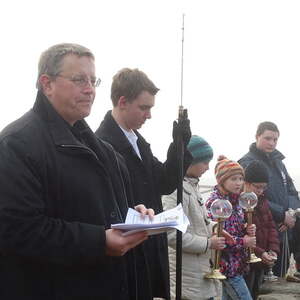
(51, 60)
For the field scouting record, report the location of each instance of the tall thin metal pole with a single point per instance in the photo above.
(182, 48)
(180, 152)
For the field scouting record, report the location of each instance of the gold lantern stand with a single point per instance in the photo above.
(248, 200)
(221, 210)
(215, 272)
(252, 257)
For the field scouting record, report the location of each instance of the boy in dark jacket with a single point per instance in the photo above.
(267, 242)
(281, 193)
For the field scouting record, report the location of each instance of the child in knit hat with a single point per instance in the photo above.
(233, 262)
(267, 242)
(198, 239)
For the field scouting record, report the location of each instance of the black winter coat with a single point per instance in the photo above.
(60, 189)
(150, 180)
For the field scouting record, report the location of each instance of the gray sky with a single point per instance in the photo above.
(241, 63)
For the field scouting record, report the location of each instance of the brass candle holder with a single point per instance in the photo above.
(248, 200)
(220, 210)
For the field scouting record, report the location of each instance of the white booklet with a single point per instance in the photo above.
(171, 219)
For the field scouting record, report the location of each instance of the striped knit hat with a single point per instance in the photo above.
(226, 168)
(200, 149)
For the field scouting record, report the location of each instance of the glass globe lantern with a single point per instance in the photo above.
(248, 200)
(220, 209)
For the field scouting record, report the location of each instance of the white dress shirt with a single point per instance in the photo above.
(132, 138)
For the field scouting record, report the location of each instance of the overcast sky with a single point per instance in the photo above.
(241, 63)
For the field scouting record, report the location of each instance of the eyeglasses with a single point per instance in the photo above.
(260, 187)
(83, 81)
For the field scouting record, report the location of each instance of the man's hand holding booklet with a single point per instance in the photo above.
(171, 219)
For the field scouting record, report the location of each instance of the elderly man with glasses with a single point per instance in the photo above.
(61, 189)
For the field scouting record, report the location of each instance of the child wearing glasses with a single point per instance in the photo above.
(233, 263)
(267, 242)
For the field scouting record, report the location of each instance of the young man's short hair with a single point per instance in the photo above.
(130, 83)
(262, 127)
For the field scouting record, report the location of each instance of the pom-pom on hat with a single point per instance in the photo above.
(200, 149)
(256, 171)
(226, 168)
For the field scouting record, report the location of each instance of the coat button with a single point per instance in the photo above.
(124, 289)
(113, 214)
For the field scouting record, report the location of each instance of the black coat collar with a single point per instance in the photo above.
(61, 132)
(272, 156)
(111, 132)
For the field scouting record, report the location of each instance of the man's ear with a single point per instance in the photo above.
(45, 82)
(122, 102)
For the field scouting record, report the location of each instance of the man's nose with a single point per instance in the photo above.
(89, 87)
